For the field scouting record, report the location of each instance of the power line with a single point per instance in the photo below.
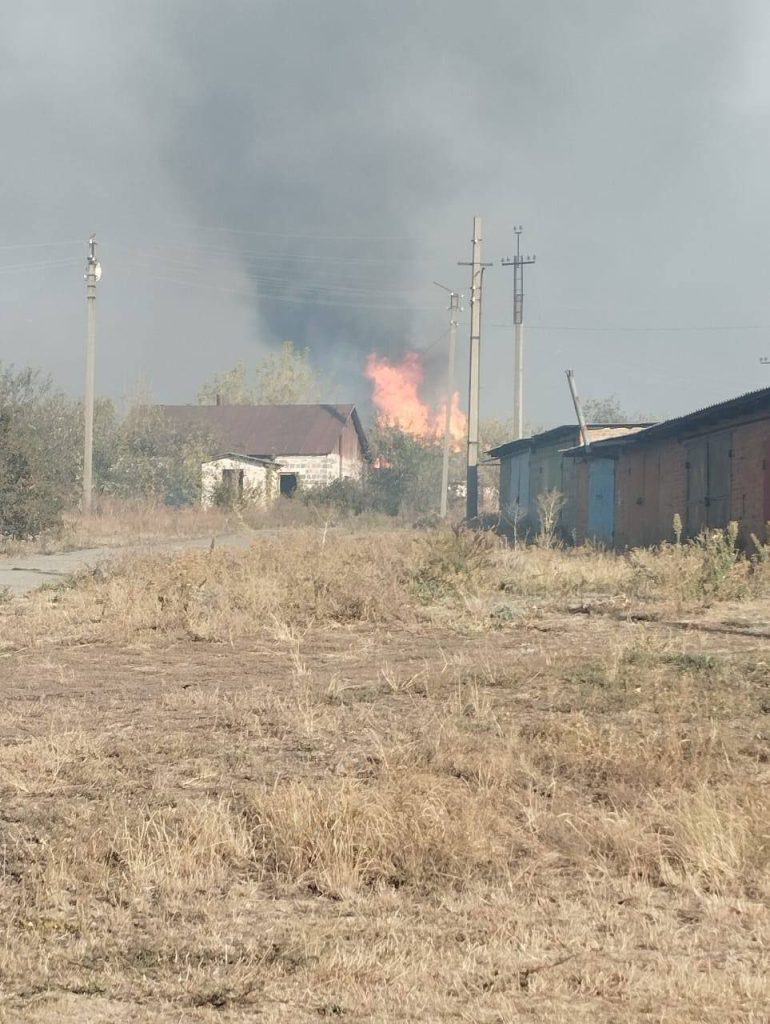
(274, 255)
(271, 297)
(185, 267)
(638, 330)
(40, 245)
(41, 265)
(291, 234)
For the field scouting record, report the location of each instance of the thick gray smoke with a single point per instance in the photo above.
(306, 170)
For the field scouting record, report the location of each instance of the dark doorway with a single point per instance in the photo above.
(232, 484)
(288, 484)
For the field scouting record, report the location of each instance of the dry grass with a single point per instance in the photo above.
(119, 523)
(415, 777)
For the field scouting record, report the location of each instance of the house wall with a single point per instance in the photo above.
(311, 470)
(569, 488)
(545, 474)
(514, 485)
(650, 489)
(506, 475)
(580, 482)
(350, 452)
(258, 481)
(320, 470)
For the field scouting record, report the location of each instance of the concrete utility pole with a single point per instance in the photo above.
(518, 263)
(454, 311)
(93, 274)
(477, 280)
(578, 408)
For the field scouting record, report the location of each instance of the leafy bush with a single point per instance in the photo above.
(345, 497)
(150, 458)
(30, 498)
(39, 452)
(450, 560)
(406, 473)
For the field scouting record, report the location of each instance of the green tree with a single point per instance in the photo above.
(285, 377)
(494, 432)
(406, 472)
(609, 410)
(39, 452)
(152, 458)
(604, 410)
(231, 388)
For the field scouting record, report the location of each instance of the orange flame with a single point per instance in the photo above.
(397, 400)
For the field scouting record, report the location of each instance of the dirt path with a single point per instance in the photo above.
(22, 573)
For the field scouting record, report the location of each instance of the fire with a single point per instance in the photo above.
(397, 399)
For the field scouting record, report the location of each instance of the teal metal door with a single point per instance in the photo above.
(601, 500)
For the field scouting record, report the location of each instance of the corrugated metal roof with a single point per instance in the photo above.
(721, 413)
(268, 430)
(564, 433)
(253, 460)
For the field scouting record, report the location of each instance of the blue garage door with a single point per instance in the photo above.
(601, 500)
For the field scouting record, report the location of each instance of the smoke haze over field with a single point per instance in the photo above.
(306, 170)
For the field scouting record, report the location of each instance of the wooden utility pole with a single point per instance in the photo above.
(93, 274)
(518, 263)
(454, 310)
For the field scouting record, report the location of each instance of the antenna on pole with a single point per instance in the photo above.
(518, 263)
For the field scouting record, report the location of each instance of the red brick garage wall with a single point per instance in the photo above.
(672, 499)
(749, 488)
(650, 488)
(748, 506)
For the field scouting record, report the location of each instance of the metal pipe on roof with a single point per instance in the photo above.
(578, 408)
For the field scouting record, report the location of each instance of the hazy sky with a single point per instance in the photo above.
(266, 169)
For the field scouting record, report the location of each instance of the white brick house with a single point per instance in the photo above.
(304, 445)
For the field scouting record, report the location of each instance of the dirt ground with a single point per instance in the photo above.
(560, 819)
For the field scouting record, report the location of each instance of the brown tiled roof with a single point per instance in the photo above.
(268, 430)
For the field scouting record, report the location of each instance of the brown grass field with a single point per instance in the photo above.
(389, 776)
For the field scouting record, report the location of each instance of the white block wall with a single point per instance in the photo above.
(258, 480)
(318, 470)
